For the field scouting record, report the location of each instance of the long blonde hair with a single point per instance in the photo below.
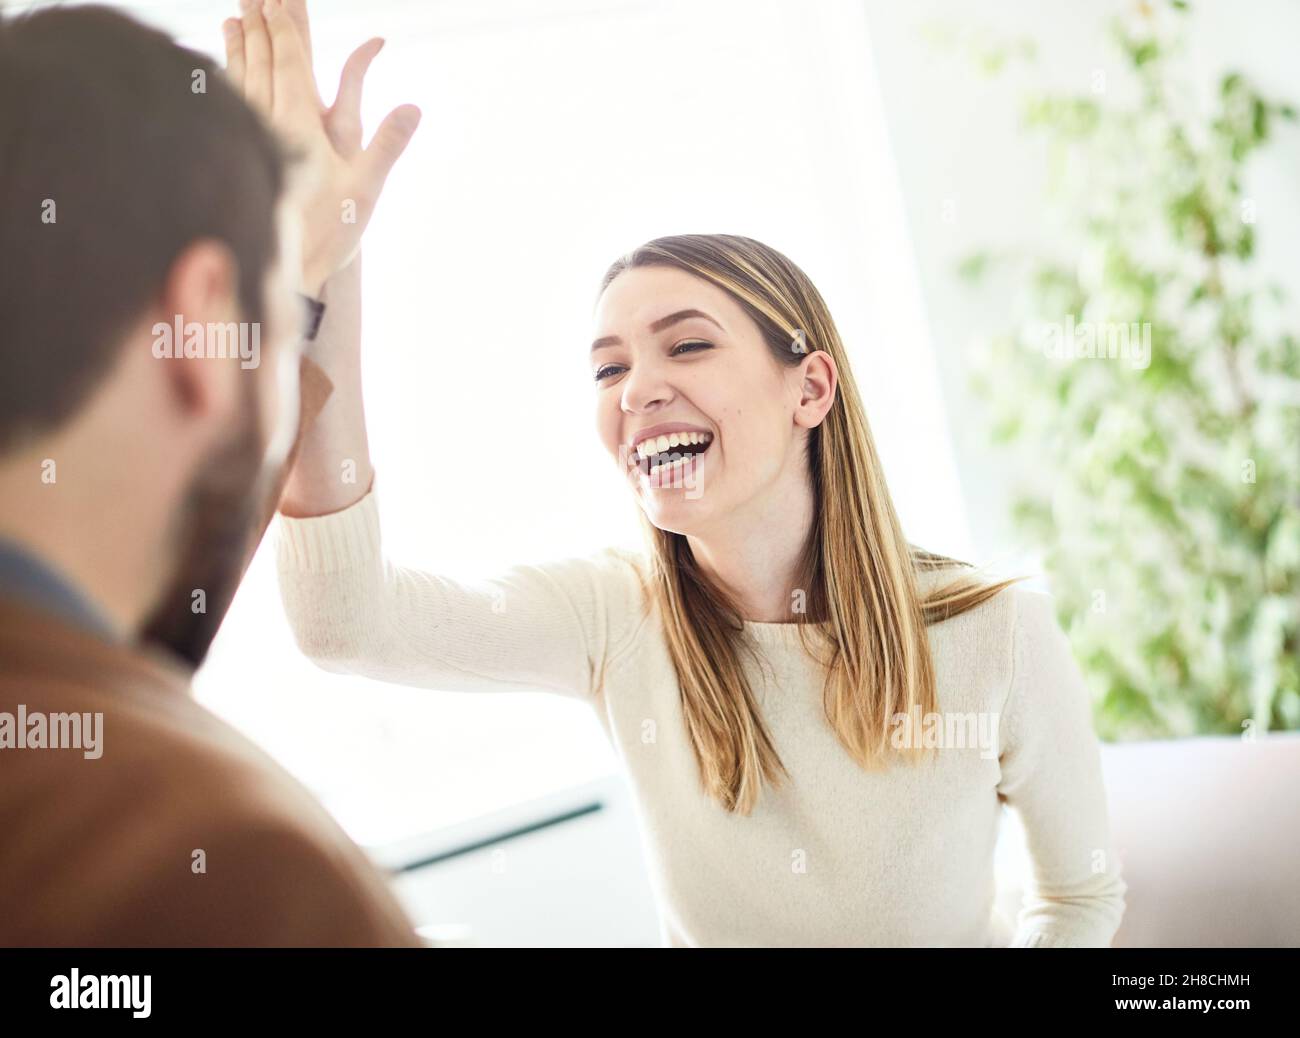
(860, 573)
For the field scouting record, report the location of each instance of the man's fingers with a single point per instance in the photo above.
(390, 140)
(291, 76)
(257, 55)
(233, 31)
(348, 101)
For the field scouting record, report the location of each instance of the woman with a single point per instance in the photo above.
(819, 722)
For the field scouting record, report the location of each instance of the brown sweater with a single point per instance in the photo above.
(180, 832)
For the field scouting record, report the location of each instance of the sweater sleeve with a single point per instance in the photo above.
(546, 627)
(1051, 777)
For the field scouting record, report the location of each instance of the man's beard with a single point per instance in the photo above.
(218, 531)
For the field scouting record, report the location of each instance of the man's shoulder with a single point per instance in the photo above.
(181, 831)
(265, 848)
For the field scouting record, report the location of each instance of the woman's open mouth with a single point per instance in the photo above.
(665, 464)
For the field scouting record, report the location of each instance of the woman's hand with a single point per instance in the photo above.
(268, 55)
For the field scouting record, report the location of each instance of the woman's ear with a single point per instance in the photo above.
(818, 381)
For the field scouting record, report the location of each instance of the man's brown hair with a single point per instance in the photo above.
(118, 148)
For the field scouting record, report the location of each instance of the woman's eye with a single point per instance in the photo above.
(690, 346)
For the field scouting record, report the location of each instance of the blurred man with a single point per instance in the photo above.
(155, 259)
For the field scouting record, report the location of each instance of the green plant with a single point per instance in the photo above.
(1164, 484)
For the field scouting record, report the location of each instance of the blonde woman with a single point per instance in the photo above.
(767, 668)
(772, 667)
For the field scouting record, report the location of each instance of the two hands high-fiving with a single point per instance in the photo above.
(268, 56)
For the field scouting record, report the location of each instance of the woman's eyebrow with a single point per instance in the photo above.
(656, 326)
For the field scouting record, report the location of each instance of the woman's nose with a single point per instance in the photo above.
(645, 387)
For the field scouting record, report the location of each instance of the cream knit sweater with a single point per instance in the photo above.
(836, 856)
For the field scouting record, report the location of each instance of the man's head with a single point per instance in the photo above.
(149, 324)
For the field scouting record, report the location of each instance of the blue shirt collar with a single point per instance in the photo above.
(26, 578)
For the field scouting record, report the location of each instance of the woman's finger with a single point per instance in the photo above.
(354, 76)
(345, 114)
(233, 30)
(257, 55)
(291, 81)
(298, 13)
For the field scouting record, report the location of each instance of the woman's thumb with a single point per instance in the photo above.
(390, 140)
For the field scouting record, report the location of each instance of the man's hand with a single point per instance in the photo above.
(268, 55)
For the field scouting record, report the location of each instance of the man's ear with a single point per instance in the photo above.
(201, 289)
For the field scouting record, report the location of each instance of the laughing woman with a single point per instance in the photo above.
(772, 667)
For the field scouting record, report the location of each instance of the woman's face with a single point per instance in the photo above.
(673, 355)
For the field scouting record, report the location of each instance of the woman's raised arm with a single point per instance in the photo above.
(554, 626)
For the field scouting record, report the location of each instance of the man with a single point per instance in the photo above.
(153, 256)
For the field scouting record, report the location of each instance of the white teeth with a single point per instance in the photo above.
(660, 444)
(671, 467)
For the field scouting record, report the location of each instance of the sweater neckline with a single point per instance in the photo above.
(779, 633)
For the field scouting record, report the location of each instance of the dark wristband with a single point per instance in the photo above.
(315, 310)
